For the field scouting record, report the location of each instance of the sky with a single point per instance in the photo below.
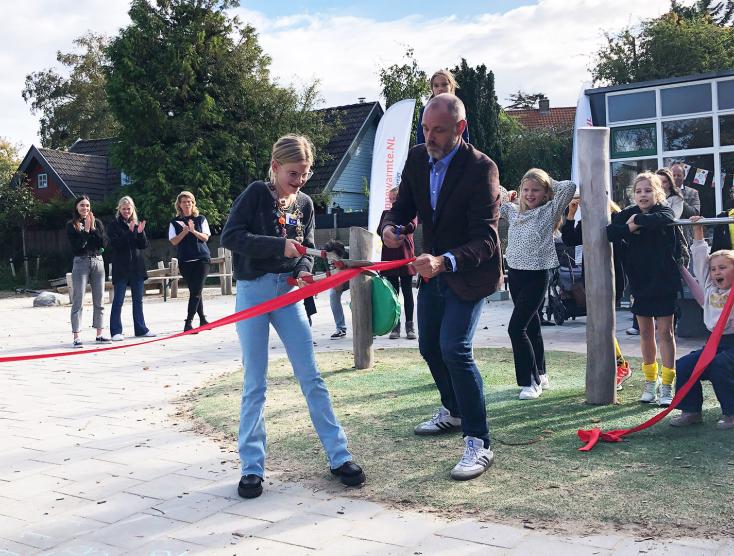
(535, 46)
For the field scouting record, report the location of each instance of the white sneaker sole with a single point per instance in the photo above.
(469, 474)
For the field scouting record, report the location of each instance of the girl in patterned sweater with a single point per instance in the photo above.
(530, 254)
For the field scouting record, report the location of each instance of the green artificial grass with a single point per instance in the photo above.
(661, 480)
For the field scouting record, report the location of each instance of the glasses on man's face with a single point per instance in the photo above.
(299, 176)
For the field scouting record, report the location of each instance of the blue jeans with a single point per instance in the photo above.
(446, 326)
(291, 324)
(335, 300)
(136, 291)
(720, 372)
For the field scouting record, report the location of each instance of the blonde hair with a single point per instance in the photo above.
(542, 178)
(726, 253)
(127, 200)
(453, 85)
(290, 148)
(177, 204)
(655, 183)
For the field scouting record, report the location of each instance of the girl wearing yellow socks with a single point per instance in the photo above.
(650, 255)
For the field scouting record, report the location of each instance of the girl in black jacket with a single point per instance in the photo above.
(127, 238)
(650, 262)
(86, 236)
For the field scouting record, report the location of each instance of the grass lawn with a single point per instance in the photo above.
(661, 481)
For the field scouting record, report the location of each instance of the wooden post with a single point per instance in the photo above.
(598, 268)
(360, 288)
(174, 281)
(228, 271)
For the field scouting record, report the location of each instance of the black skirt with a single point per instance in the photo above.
(655, 306)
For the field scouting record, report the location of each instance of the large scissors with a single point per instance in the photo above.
(334, 264)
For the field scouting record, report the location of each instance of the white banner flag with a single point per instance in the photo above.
(388, 157)
(583, 119)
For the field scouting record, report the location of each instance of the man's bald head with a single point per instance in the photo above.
(450, 103)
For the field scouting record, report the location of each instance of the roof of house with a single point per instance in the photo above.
(76, 173)
(99, 147)
(561, 117)
(660, 82)
(351, 119)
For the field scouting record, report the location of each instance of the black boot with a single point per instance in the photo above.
(202, 320)
(395, 334)
(187, 325)
(410, 330)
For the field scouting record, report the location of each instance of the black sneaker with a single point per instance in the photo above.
(251, 486)
(349, 473)
(338, 334)
(102, 340)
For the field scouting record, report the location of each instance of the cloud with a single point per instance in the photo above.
(545, 47)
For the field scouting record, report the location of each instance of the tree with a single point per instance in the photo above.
(524, 101)
(407, 80)
(476, 89)
(546, 148)
(684, 41)
(191, 89)
(76, 106)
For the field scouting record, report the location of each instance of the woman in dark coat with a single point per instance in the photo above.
(127, 238)
(401, 278)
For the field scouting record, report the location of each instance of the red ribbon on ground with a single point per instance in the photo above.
(281, 301)
(591, 437)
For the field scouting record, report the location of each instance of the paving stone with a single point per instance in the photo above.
(484, 533)
(220, 530)
(262, 547)
(10, 548)
(82, 547)
(551, 547)
(631, 547)
(50, 533)
(116, 507)
(446, 546)
(168, 547)
(168, 486)
(602, 541)
(404, 529)
(191, 507)
(30, 487)
(9, 525)
(100, 487)
(135, 531)
(213, 471)
(307, 530)
(347, 508)
(272, 506)
(348, 546)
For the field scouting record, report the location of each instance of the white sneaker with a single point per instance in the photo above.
(666, 395)
(544, 384)
(475, 461)
(440, 423)
(118, 337)
(77, 343)
(531, 392)
(148, 334)
(650, 391)
(631, 331)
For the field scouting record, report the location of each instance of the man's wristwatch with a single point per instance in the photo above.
(448, 266)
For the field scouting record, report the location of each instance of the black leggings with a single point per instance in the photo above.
(528, 288)
(194, 272)
(404, 284)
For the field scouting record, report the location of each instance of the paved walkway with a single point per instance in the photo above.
(95, 462)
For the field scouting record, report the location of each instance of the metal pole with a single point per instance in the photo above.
(703, 222)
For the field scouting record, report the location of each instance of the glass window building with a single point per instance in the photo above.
(683, 119)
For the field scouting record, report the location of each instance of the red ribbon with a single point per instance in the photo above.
(268, 306)
(591, 437)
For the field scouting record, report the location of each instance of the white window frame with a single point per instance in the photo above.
(124, 179)
(43, 181)
(716, 149)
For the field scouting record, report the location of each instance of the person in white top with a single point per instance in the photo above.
(530, 254)
(715, 275)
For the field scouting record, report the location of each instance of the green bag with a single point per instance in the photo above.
(385, 306)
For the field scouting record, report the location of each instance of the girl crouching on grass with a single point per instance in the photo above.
(715, 274)
(650, 259)
(530, 254)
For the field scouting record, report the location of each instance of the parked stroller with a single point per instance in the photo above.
(566, 293)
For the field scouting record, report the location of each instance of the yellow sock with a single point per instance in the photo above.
(618, 353)
(650, 370)
(668, 375)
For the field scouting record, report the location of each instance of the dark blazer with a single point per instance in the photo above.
(722, 237)
(128, 262)
(465, 219)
